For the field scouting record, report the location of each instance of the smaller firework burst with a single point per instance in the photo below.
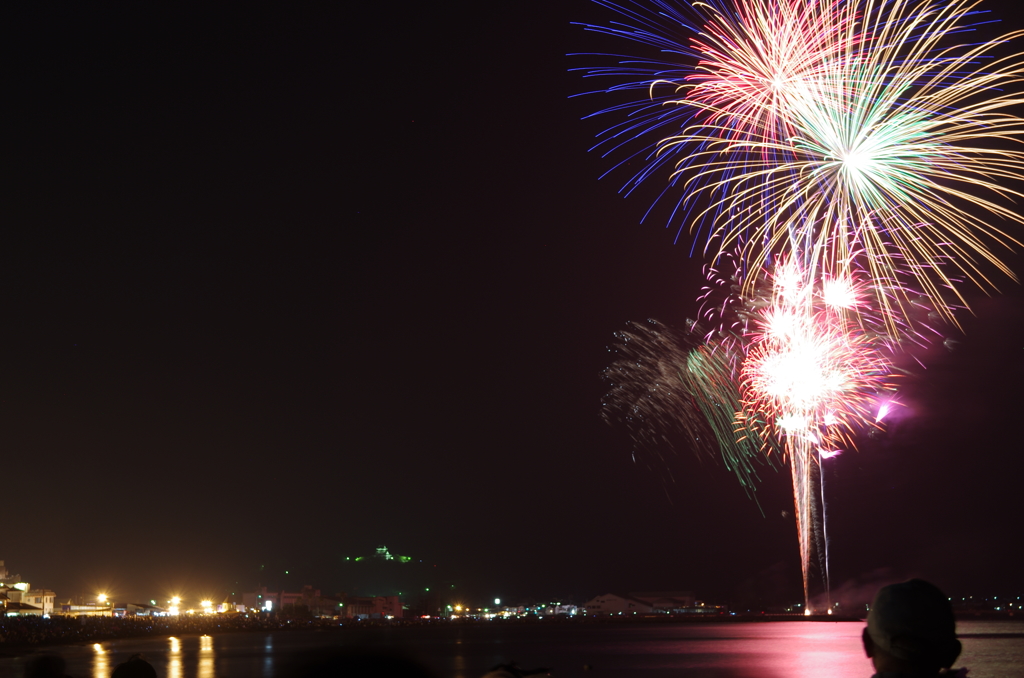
(811, 372)
(669, 388)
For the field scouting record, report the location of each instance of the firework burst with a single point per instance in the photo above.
(894, 152)
(854, 163)
(667, 387)
(812, 379)
(815, 374)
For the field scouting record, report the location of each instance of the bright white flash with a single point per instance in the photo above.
(798, 376)
(840, 293)
(781, 324)
(792, 423)
(857, 161)
(789, 281)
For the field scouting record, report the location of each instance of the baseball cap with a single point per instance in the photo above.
(914, 621)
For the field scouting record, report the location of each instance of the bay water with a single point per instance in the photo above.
(789, 649)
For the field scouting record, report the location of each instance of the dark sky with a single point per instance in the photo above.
(281, 285)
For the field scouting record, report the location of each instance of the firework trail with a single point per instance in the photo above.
(848, 160)
(666, 386)
(792, 373)
(812, 379)
(739, 67)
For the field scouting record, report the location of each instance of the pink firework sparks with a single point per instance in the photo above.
(812, 373)
(764, 58)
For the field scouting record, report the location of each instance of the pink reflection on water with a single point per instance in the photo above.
(797, 649)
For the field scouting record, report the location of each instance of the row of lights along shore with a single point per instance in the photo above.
(173, 605)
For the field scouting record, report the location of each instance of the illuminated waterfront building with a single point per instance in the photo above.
(20, 599)
(40, 599)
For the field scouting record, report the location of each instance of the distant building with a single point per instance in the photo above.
(667, 601)
(262, 600)
(20, 599)
(558, 609)
(22, 610)
(644, 602)
(312, 600)
(41, 598)
(287, 598)
(611, 603)
(86, 610)
(372, 607)
(143, 610)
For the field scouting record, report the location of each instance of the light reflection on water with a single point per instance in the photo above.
(740, 650)
(205, 658)
(179, 661)
(174, 659)
(268, 657)
(101, 662)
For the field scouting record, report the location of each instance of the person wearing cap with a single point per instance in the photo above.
(911, 632)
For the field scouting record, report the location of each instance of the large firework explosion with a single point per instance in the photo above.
(852, 160)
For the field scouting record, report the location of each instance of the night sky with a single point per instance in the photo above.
(280, 285)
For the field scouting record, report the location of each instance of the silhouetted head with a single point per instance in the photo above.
(135, 667)
(911, 629)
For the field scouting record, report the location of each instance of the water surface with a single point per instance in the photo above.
(611, 650)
